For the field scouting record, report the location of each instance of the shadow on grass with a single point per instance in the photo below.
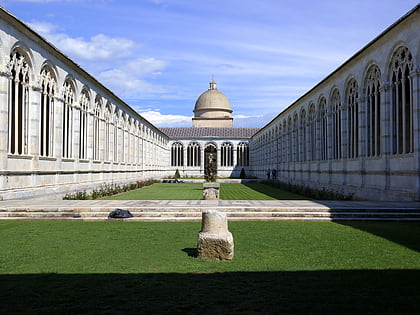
(192, 252)
(338, 292)
(273, 192)
(407, 235)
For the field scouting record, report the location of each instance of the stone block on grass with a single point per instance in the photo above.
(214, 240)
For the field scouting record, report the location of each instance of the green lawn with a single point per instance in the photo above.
(292, 267)
(191, 191)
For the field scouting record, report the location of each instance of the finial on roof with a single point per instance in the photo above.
(213, 84)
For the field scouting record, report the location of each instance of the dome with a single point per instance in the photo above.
(212, 103)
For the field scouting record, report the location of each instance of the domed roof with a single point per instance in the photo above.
(212, 99)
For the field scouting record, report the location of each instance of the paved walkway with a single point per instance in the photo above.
(57, 204)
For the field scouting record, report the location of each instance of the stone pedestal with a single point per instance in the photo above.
(214, 240)
(211, 191)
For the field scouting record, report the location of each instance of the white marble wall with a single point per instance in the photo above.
(141, 151)
(386, 176)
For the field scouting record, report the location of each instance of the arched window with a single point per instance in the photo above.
(285, 145)
(68, 96)
(336, 124)
(302, 138)
(242, 154)
(323, 141)
(226, 158)
(289, 139)
(177, 154)
(373, 111)
(193, 154)
(295, 136)
(107, 132)
(352, 97)
(402, 106)
(83, 123)
(116, 142)
(97, 128)
(312, 132)
(46, 135)
(18, 104)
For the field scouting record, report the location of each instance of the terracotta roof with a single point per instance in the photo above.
(195, 132)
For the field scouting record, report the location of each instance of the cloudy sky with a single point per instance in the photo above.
(159, 55)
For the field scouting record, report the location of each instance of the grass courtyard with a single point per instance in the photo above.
(193, 191)
(136, 267)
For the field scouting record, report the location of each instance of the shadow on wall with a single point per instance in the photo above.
(320, 292)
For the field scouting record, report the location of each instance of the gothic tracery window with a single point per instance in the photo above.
(312, 133)
(97, 128)
(352, 97)
(68, 99)
(83, 124)
(336, 124)
(323, 141)
(177, 154)
(402, 103)
(107, 132)
(48, 87)
(242, 154)
(303, 135)
(193, 154)
(226, 152)
(18, 104)
(373, 112)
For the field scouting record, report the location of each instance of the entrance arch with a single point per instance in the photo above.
(210, 155)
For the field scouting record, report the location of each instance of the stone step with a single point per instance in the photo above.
(195, 215)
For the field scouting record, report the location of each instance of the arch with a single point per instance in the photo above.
(67, 117)
(303, 148)
(242, 152)
(23, 50)
(352, 104)
(107, 113)
(226, 154)
(18, 101)
(373, 110)
(336, 119)
(312, 131)
(48, 85)
(323, 128)
(194, 154)
(84, 105)
(97, 115)
(177, 154)
(402, 131)
(53, 69)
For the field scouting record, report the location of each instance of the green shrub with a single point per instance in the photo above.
(318, 194)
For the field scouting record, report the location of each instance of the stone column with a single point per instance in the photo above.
(214, 240)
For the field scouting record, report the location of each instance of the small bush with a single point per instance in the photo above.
(318, 194)
(107, 190)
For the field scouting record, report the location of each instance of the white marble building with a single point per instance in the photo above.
(61, 130)
(356, 132)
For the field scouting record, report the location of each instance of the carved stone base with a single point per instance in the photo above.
(211, 191)
(214, 240)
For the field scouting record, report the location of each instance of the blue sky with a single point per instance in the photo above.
(159, 55)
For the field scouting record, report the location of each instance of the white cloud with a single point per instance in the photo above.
(98, 47)
(128, 79)
(160, 120)
(128, 76)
